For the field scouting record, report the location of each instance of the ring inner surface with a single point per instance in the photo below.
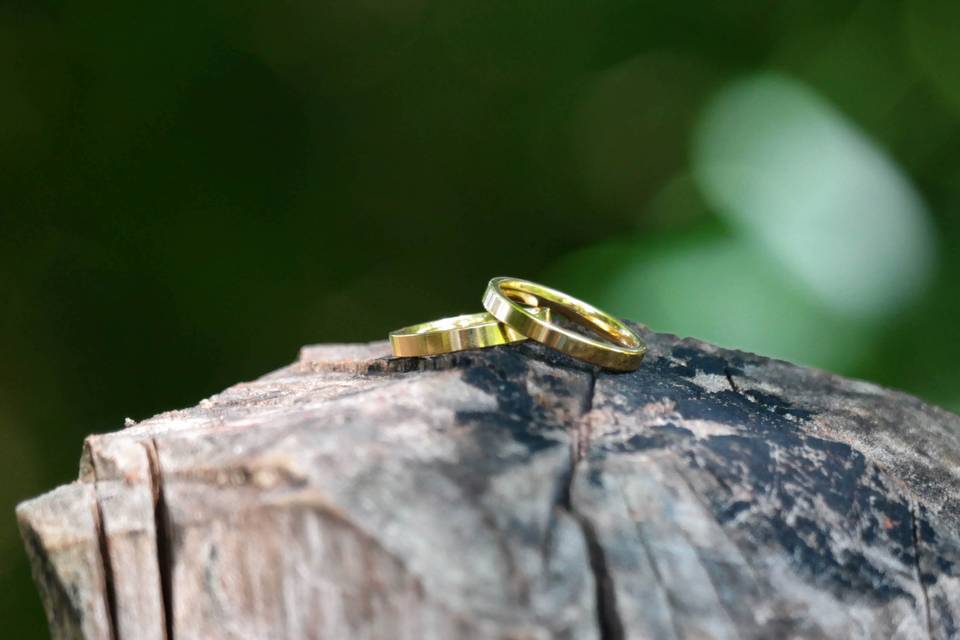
(577, 312)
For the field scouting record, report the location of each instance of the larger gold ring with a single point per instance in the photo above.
(622, 351)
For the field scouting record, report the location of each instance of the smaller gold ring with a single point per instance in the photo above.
(622, 351)
(459, 333)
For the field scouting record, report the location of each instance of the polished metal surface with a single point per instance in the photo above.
(617, 346)
(459, 333)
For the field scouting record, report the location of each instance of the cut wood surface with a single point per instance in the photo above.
(514, 493)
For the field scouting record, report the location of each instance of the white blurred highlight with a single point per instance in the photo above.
(785, 167)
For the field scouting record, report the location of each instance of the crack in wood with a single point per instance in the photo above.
(162, 532)
(107, 568)
(730, 381)
(608, 617)
(609, 623)
(916, 565)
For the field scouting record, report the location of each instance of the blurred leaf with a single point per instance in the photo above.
(803, 182)
(716, 288)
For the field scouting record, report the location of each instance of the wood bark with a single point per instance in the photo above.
(513, 493)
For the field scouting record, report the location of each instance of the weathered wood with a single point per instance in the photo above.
(514, 493)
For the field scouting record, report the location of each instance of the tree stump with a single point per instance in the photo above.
(514, 493)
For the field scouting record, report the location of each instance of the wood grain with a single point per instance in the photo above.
(514, 493)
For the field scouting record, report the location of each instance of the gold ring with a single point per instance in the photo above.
(622, 351)
(470, 331)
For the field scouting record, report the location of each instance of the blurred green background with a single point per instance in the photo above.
(191, 191)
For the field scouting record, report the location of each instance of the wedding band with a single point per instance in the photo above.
(469, 331)
(622, 350)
